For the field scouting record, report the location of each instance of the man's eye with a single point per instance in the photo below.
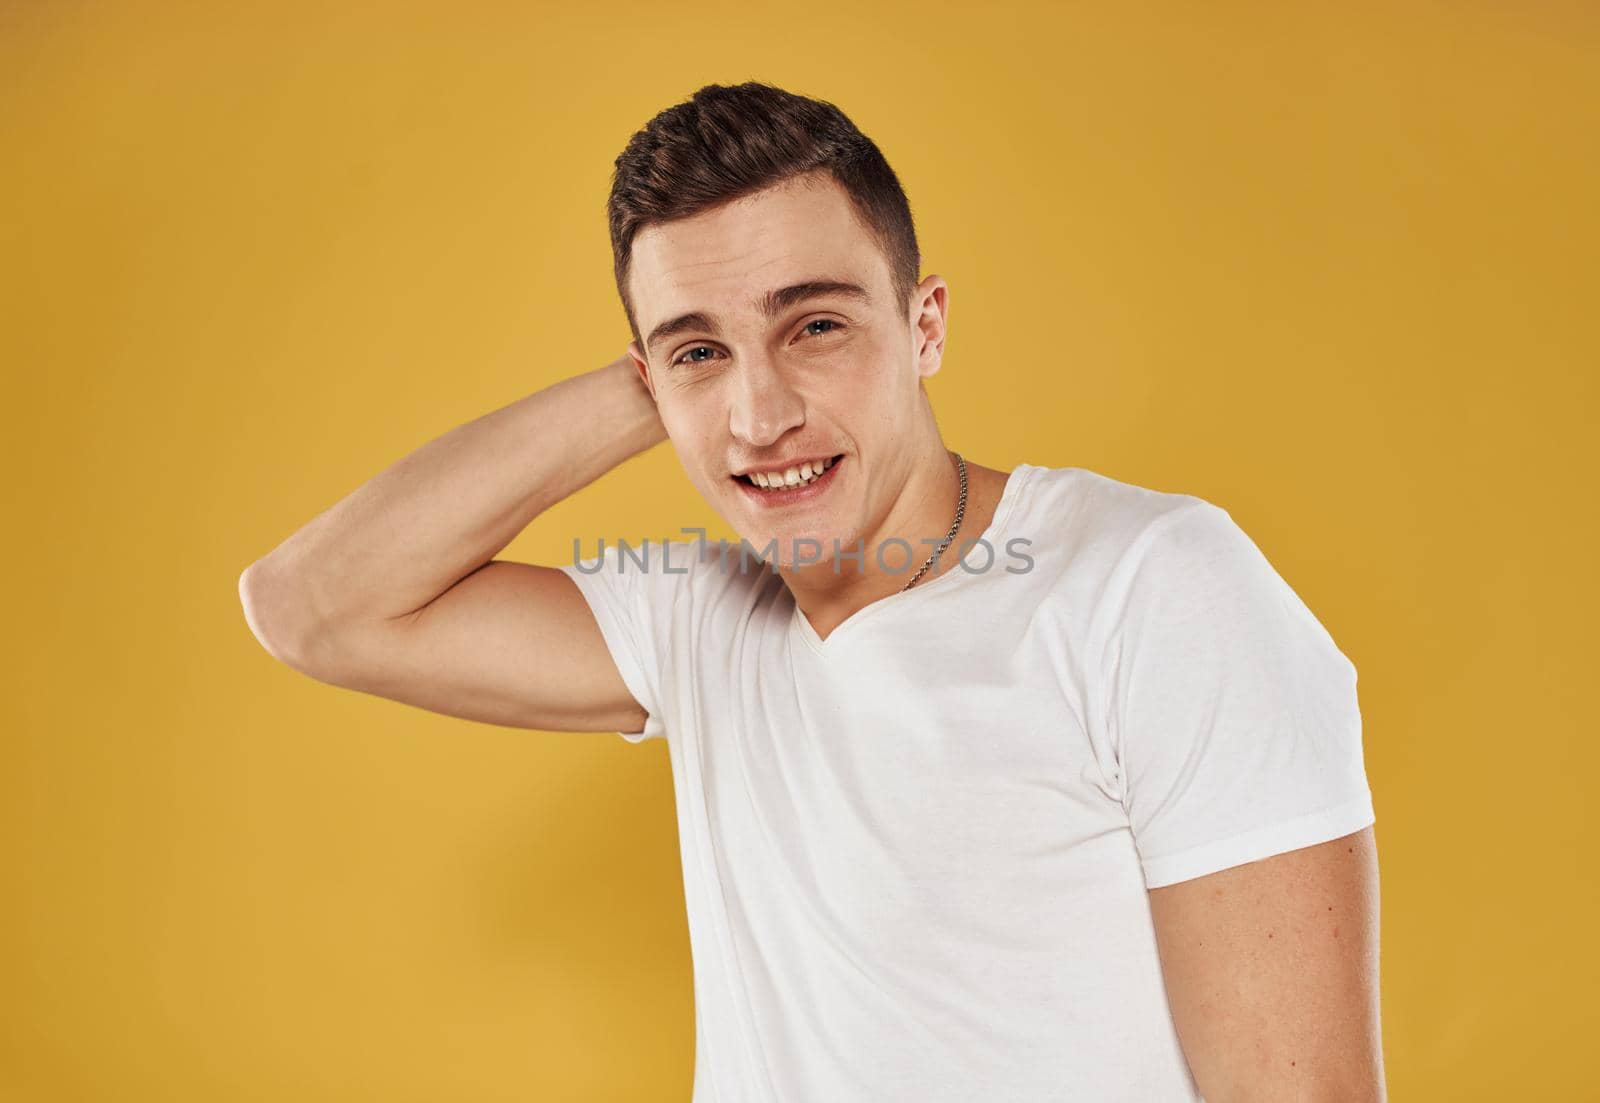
(697, 348)
(824, 322)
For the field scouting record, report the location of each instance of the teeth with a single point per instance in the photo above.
(794, 476)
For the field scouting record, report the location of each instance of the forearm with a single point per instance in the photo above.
(416, 528)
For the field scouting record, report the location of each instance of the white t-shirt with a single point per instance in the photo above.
(916, 853)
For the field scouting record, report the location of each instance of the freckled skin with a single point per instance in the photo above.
(1243, 1004)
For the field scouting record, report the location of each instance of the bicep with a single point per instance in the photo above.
(511, 643)
(1271, 970)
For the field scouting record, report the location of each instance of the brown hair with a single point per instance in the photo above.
(725, 142)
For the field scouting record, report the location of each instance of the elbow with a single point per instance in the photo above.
(272, 612)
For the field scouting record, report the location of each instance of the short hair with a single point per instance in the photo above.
(728, 141)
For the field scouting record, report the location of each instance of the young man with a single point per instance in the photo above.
(1032, 785)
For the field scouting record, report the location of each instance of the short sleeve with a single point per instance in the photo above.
(1233, 715)
(631, 590)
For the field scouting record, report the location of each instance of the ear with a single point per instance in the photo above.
(642, 366)
(930, 309)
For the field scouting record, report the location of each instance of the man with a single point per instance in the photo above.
(1036, 785)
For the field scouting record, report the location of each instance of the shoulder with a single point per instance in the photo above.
(668, 587)
(1100, 524)
(1120, 553)
(1179, 568)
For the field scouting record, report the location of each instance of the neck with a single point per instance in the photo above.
(920, 514)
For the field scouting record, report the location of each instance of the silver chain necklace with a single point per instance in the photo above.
(961, 511)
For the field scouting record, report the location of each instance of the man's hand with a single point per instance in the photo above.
(1272, 972)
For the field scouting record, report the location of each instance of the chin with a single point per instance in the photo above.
(816, 545)
(782, 554)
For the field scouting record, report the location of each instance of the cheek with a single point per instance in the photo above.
(883, 366)
(684, 421)
(885, 383)
(693, 434)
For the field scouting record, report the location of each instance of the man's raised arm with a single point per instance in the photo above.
(395, 590)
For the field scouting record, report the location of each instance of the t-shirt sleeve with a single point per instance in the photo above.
(1233, 715)
(631, 593)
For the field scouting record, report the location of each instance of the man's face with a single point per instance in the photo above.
(753, 385)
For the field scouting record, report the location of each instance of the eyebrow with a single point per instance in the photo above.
(771, 304)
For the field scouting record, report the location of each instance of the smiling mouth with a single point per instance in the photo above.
(792, 478)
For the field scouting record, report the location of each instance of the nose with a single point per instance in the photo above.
(763, 406)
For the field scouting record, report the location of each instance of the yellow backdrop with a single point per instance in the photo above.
(1331, 267)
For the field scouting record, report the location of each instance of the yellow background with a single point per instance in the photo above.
(1331, 267)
